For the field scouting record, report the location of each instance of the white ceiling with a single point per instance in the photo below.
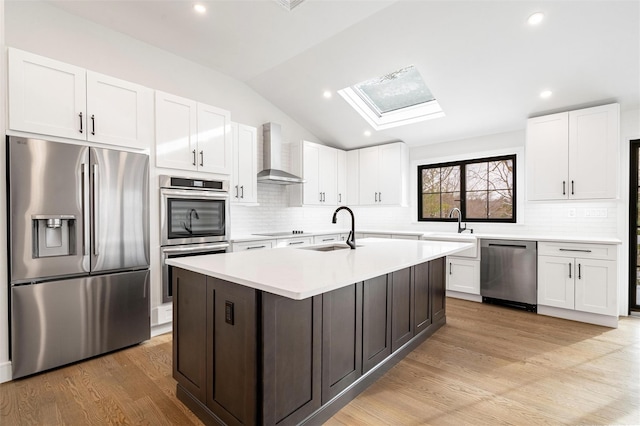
(483, 62)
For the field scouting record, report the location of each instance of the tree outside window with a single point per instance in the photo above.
(483, 189)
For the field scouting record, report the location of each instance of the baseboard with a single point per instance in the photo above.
(464, 296)
(5, 372)
(597, 319)
(159, 329)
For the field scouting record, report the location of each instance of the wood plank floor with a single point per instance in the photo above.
(487, 365)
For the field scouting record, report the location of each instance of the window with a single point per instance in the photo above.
(395, 99)
(483, 189)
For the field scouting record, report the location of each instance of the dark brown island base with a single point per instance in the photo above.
(243, 356)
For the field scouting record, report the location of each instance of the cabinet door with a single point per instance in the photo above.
(391, 174)
(291, 358)
(176, 139)
(214, 142)
(402, 308)
(46, 96)
(376, 321)
(556, 281)
(341, 339)
(547, 157)
(437, 287)
(463, 275)
(596, 286)
(342, 177)
(593, 152)
(421, 297)
(245, 151)
(231, 351)
(118, 112)
(328, 175)
(368, 176)
(311, 174)
(189, 335)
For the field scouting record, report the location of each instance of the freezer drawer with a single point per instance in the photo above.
(60, 322)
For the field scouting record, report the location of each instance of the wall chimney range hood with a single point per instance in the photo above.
(272, 163)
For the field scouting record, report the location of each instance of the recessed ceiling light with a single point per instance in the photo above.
(546, 94)
(199, 8)
(536, 18)
(327, 94)
(367, 133)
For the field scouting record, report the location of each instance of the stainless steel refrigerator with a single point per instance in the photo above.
(79, 252)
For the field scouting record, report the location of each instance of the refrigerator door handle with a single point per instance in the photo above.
(86, 224)
(94, 197)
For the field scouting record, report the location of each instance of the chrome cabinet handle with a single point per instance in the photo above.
(242, 191)
(194, 156)
(255, 247)
(579, 250)
(93, 124)
(201, 158)
(293, 243)
(80, 115)
(327, 239)
(339, 198)
(564, 192)
(569, 270)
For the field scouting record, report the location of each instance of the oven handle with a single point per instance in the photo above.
(194, 193)
(199, 248)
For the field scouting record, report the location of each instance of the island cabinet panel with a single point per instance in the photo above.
(341, 339)
(291, 352)
(421, 297)
(402, 311)
(231, 352)
(437, 286)
(376, 321)
(189, 319)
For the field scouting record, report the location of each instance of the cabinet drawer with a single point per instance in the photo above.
(293, 242)
(319, 239)
(253, 245)
(405, 237)
(582, 250)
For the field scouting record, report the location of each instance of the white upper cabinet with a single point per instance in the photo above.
(245, 164)
(342, 177)
(320, 172)
(383, 174)
(353, 177)
(50, 97)
(573, 155)
(191, 135)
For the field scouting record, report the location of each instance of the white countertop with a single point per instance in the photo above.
(299, 273)
(451, 235)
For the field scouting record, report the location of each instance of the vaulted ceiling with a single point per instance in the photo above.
(482, 61)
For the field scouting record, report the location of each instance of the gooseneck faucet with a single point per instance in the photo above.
(460, 228)
(351, 239)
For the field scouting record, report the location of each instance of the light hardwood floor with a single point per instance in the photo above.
(487, 365)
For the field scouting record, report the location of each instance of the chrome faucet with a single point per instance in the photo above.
(351, 239)
(460, 228)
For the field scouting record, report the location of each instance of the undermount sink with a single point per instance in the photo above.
(332, 247)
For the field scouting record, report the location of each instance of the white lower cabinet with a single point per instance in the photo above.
(463, 275)
(587, 283)
(253, 245)
(294, 242)
(332, 238)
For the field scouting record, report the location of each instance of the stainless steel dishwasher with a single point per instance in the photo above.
(508, 273)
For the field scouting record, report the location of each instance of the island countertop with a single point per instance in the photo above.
(299, 273)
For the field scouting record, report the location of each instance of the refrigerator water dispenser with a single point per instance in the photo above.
(53, 235)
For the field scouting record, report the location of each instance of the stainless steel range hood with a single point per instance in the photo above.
(273, 173)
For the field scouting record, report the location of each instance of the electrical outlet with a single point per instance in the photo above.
(572, 213)
(164, 314)
(595, 212)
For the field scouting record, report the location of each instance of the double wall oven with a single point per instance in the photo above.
(194, 220)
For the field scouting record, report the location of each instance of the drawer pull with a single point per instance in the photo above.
(578, 250)
(255, 247)
(293, 243)
(328, 239)
(508, 245)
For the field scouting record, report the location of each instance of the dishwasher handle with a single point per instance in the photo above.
(520, 246)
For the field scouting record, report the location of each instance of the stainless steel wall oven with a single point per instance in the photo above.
(194, 220)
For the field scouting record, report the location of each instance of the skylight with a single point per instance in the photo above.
(395, 99)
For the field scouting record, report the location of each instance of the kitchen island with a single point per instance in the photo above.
(291, 335)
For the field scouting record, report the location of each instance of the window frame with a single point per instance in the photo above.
(463, 190)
